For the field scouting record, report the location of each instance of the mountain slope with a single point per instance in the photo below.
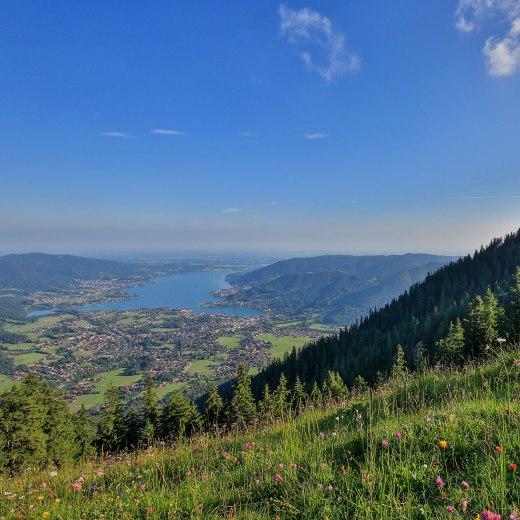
(337, 288)
(42, 272)
(416, 320)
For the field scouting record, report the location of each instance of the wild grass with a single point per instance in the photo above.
(444, 445)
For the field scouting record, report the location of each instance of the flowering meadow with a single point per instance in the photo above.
(446, 444)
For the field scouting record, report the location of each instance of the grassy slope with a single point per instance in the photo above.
(474, 412)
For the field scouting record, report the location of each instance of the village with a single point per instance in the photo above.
(82, 353)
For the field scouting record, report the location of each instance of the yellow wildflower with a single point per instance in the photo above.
(443, 444)
(57, 500)
(40, 498)
(46, 514)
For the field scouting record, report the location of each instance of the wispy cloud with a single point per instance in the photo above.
(501, 51)
(247, 134)
(165, 131)
(250, 207)
(316, 136)
(320, 45)
(117, 134)
(480, 197)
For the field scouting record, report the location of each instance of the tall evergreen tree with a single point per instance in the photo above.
(111, 427)
(179, 417)
(316, 397)
(399, 372)
(265, 405)
(150, 411)
(84, 435)
(243, 406)
(280, 402)
(299, 397)
(451, 348)
(214, 406)
(481, 329)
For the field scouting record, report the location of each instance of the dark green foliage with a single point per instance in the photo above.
(179, 417)
(11, 307)
(265, 405)
(482, 325)
(335, 390)
(451, 349)
(399, 372)
(280, 400)
(513, 308)
(243, 406)
(84, 434)
(150, 411)
(360, 385)
(419, 316)
(111, 427)
(36, 427)
(299, 397)
(214, 405)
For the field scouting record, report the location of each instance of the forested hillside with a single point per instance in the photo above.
(335, 288)
(417, 320)
(41, 272)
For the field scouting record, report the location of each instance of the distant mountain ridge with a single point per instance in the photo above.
(340, 288)
(43, 272)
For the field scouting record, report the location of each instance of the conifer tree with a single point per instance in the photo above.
(399, 372)
(281, 398)
(213, 406)
(150, 411)
(481, 325)
(133, 428)
(360, 385)
(243, 406)
(112, 423)
(513, 308)
(179, 417)
(316, 396)
(299, 397)
(266, 403)
(84, 435)
(451, 348)
(58, 428)
(335, 390)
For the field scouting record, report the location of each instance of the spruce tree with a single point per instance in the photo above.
(265, 405)
(84, 435)
(179, 417)
(243, 406)
(450, 350)
(213, 406)
(316, 397)
(150, 411)
(281, 398)
(399, 372)
(111, 426)
(299, 397)
(513, 308)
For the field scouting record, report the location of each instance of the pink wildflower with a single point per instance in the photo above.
(278, 479)
(397, 435)
(489, 515)
(280, 466)
(450, 508)
(329, 488)
(514, 516)
(465, 485)
(323, 465)
(203, 477)
(76, 486)
(225, 455)
(439, 482)
(142, 487)
(293, 466)
(235, 459)
(384, 443)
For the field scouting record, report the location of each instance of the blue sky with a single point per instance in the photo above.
(297, 127)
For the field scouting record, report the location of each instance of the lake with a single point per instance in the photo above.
(178, 291)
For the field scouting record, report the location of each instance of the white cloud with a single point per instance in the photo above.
(501, 51)
(247, 134)
(164, 131)
(319, 44)
(116, 134)
(231, 210)
(316, 136)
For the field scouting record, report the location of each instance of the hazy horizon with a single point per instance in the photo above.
(294, 128)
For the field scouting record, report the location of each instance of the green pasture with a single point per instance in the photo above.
(230, 341)
(282, 344)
